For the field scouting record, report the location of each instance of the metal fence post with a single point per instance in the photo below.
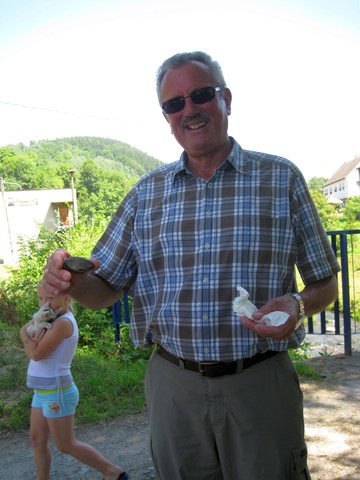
(345, 293)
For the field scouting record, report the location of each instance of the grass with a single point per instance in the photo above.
(108, 387)
(298, 356)
(354, 283)
(307, 371)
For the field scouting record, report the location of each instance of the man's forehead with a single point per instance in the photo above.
(192, 74)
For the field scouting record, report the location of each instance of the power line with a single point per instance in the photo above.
(58, 111)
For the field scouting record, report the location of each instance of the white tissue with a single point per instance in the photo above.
(275, 319)
(243, 307)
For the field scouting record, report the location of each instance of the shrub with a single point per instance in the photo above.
(18, 295)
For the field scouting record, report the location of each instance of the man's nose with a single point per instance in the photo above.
(190, 107)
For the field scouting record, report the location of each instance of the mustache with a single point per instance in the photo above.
(199, 117)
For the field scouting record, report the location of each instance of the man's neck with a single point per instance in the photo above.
(204, 166)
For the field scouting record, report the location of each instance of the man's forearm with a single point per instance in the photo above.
(317, 296)
(92, 291)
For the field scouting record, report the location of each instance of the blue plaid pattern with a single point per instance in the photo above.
(180, 245)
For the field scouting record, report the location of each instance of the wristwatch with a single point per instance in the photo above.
(300, 303)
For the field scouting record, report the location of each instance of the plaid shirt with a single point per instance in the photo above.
(181, 244)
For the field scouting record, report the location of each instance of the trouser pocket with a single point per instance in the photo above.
(300, 468)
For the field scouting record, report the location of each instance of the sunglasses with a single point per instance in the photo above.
(203, 95)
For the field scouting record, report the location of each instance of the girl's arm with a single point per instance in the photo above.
(40, 346)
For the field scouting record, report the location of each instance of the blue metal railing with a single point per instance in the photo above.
(120, 314)
(342, 320)
(339, 243)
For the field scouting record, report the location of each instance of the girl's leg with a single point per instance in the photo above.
(62, 430)
(39, 435)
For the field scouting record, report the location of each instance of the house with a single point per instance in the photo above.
(345, 182)
(23, 212)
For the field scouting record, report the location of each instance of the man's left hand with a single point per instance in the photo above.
(286, 304)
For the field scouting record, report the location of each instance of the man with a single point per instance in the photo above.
(223, 397)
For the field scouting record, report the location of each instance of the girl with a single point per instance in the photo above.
(55, 394)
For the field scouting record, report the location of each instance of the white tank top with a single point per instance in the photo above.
(55, 370)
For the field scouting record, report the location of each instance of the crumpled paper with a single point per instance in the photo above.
(242, 306)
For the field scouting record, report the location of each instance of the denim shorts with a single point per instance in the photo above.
(57, 403)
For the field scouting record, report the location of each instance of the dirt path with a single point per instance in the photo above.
(122, 440)
(332, 418)
(332, 431)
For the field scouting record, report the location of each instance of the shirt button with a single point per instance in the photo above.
(206, 280)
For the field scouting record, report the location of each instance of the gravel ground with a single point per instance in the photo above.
(122, 440)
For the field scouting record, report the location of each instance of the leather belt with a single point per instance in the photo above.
(215, 369)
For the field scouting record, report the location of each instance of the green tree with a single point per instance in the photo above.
(102, 202)
(26, 170)
(63, 172)
(316, 183)
(112, 190)
(6, 157)
(89, 178)
(328, 213)
(352, 213)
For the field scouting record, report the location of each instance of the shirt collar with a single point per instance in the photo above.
(180, 167)
(236, 158)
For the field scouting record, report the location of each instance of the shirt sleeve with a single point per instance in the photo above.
(316, 259)
(114, 249)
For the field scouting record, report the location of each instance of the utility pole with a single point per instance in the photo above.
(2, 188)
(73, 194)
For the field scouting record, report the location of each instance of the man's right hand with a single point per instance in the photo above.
(56, 279)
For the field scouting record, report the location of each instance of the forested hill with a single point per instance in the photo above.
(106, 153)
(105, 170)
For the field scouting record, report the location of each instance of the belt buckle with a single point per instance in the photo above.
(202, 367)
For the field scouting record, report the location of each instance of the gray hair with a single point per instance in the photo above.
(180, 59)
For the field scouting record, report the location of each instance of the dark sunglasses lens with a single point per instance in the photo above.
(174, 105)
(204, 95)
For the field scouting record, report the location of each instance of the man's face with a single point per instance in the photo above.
(200, 129)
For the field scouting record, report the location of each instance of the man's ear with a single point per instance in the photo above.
(166, 117)
(228, 98)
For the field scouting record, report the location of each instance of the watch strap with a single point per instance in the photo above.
(300, 302)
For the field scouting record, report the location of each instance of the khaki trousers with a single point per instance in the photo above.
(246, 426)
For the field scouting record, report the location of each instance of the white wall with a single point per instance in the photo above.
(22, 213)
(353, 183)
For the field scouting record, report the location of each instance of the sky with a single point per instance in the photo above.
(87, 68)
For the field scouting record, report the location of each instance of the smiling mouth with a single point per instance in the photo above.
(196, 126)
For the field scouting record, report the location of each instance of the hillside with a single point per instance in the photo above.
(106, 153)
(105, 170)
